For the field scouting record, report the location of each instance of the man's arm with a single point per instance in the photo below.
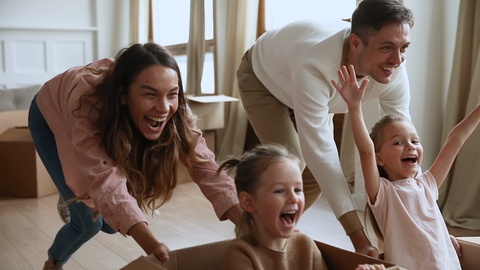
(353, 94)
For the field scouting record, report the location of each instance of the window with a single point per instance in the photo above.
(171, 23)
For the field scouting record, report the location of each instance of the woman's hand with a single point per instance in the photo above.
(145, 238)
(161, 252)
(234, 214)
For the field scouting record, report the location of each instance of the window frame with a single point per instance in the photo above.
(180, 49)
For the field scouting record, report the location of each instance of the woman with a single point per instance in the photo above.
(112, 135)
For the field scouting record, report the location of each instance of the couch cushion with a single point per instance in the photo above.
(17, 98)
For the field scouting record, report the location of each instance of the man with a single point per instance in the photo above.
(285, 87)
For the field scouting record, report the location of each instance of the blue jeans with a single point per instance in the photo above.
(82, 226)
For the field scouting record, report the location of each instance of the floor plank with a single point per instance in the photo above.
(10, 257)
(28, 227)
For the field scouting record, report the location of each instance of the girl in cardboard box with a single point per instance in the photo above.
(270, 190)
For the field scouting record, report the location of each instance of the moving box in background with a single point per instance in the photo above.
(22, 171)
(210, 110)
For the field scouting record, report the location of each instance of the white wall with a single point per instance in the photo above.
(109, 18)
(113, 26)
(40, 39)
(429, 61)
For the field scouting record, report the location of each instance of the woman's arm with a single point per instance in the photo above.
(455, 140)
(219, 189)
(145, 239)
(352, 94)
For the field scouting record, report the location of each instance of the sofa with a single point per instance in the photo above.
(14, 104)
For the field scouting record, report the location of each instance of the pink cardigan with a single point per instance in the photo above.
(87, 167)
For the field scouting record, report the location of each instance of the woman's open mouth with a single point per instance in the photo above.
(154, 122)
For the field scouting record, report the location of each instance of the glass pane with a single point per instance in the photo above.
(208, 19)
(171, 19)
(208, 79)
(182, 64)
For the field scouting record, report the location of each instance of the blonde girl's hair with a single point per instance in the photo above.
(377, 136)
(248, 169)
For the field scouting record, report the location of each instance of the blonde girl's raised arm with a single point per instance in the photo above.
(366, 153)
(353, 94)
(455, 140)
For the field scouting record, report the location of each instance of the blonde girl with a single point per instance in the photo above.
(404, 203)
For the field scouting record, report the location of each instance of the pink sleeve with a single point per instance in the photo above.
(219, 190)
(86, 164)
(106, 184)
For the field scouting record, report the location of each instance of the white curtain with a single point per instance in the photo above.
(235, 26)
(460, 193)
(139, 21)
(196, 47)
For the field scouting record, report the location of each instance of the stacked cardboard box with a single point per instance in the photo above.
(23, 173)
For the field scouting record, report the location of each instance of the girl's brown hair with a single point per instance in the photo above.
(248, 170)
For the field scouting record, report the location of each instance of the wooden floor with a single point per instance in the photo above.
(27, 227)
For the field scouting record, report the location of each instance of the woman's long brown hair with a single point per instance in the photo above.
(150, 167)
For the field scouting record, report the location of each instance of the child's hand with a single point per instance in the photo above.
(348, 86)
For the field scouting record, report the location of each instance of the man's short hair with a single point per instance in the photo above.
(371, 15)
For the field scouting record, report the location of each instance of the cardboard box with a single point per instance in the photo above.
(9, 119)
(470, 251)
(210, 138)
(210, 256)
(337, 258)
(210, 110)
(23, 173)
